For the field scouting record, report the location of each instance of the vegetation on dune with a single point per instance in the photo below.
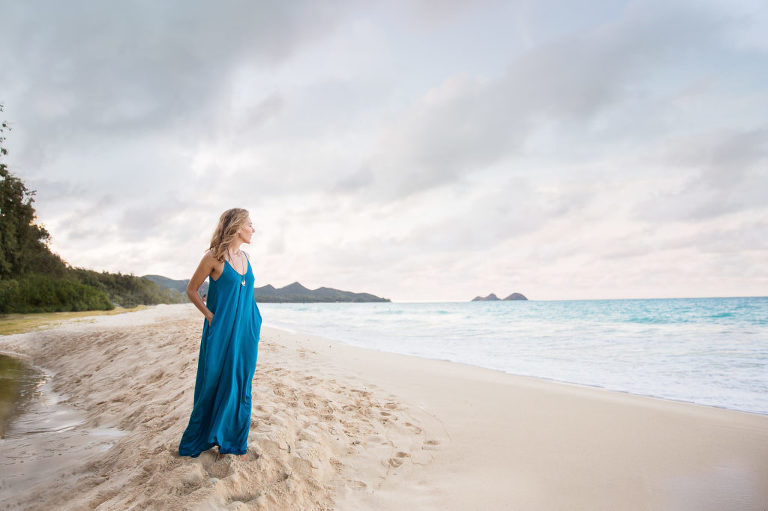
(34, 279)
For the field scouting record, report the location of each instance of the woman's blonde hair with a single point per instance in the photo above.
(229, 223)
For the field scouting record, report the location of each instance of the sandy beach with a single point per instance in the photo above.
(340, 427)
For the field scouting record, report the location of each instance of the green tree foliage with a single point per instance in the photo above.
(34, 279)
(23, 243)
(127, 290)
(40, 293)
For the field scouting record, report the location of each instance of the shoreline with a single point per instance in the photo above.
(689, 351)
(321, 338)
(336, 426)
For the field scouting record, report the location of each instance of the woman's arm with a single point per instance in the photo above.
(201, 273)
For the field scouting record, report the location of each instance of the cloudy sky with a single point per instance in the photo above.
(417, 150)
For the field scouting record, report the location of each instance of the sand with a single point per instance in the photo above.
(340, 427)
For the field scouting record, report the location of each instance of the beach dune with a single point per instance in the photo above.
(339, 427)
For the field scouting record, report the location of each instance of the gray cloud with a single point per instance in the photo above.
(460, 221)
(95, 69)
(750, 236)
(120, 96)
(507, 210)
(89, 221)
(467, 124)
(149, 220)
(360, 178)
(266, 109)
(731, 174)
(57, 189)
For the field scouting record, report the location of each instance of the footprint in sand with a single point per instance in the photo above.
(218, 468)
(415, 428)
(398, 459)
(337, 465)
(191, 478)
(309, 402)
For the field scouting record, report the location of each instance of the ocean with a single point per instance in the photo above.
(710, 351)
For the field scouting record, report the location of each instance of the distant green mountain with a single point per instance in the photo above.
(178, 285)
(292, 293)
(297, 293)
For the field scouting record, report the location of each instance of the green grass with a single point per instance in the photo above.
(20, 323)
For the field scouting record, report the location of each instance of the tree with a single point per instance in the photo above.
(23, 243)
(34, 279)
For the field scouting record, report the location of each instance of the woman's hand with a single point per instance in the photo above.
(204, 270)
(209, 317)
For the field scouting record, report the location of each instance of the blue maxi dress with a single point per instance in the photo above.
(221, 414)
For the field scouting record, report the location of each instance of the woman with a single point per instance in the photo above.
(222, 405)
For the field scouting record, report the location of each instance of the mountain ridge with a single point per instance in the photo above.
(294, 292)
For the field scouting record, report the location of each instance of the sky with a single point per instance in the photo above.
(418, 150)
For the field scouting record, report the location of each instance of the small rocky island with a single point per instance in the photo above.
(493, 298)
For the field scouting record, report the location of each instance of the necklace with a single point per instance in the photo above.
(242, 276)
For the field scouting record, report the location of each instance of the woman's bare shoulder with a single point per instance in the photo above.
(209, 258)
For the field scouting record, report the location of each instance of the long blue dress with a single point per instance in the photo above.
(221, 414)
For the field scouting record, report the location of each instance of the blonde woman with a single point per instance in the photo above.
(221, 414)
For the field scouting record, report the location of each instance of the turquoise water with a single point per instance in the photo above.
(711, 351)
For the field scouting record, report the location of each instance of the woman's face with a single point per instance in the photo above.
(247, 230)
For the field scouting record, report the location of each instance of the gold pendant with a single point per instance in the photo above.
(242, 282)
